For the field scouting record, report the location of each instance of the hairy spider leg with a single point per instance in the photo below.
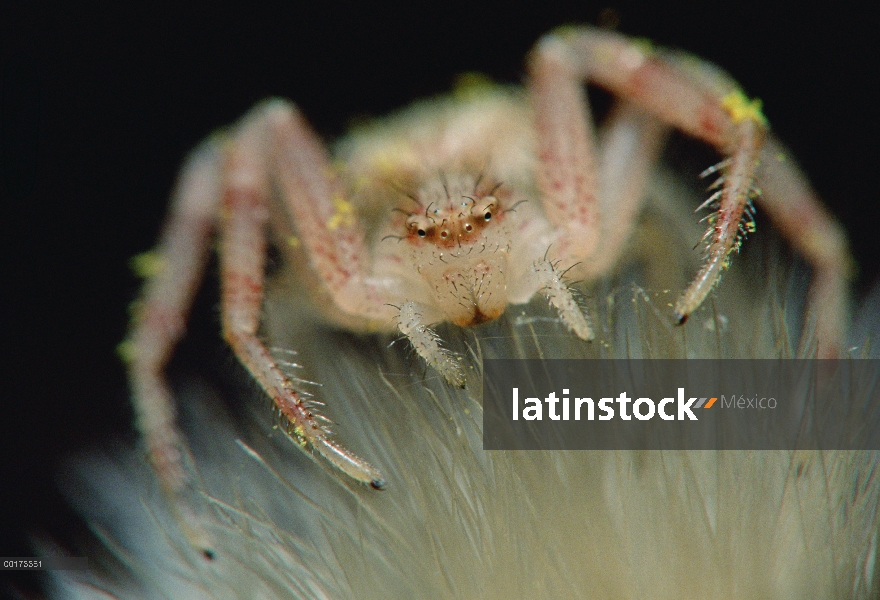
(230, 174)
(689, 94)
(158, 322)
(249, 161)
(794, 207)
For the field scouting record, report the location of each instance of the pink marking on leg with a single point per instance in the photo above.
(242, 199)
(567, 172)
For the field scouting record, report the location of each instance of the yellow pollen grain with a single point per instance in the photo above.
(147, 264)
(299, 436)
(471, 85)
(740, 108)
(126, 351)
(293, 241)
(643, 45)
(344, 215)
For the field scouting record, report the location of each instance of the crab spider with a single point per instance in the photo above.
(497, 195)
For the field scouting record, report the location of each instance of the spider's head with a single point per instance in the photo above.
(460, 245)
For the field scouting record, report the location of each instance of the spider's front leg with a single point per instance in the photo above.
(590, 192)
(711, 109)
(233, 175)
(685, 93)
(335, 244)
(272, 143)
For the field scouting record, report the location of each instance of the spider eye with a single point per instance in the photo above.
(468, 227)
(421, 233)
(444, 234)
(488, 216)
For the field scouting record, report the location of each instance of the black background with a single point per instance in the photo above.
(99, 105)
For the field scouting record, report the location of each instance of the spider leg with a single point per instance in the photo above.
(230, 176)
(800, 216)
(679, 92)
(173, 272)
(568, 169)
(629, 146)
(243, 250)
(326, 222)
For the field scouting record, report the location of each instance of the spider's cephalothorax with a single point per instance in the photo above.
(460, 240)
(462, 247)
